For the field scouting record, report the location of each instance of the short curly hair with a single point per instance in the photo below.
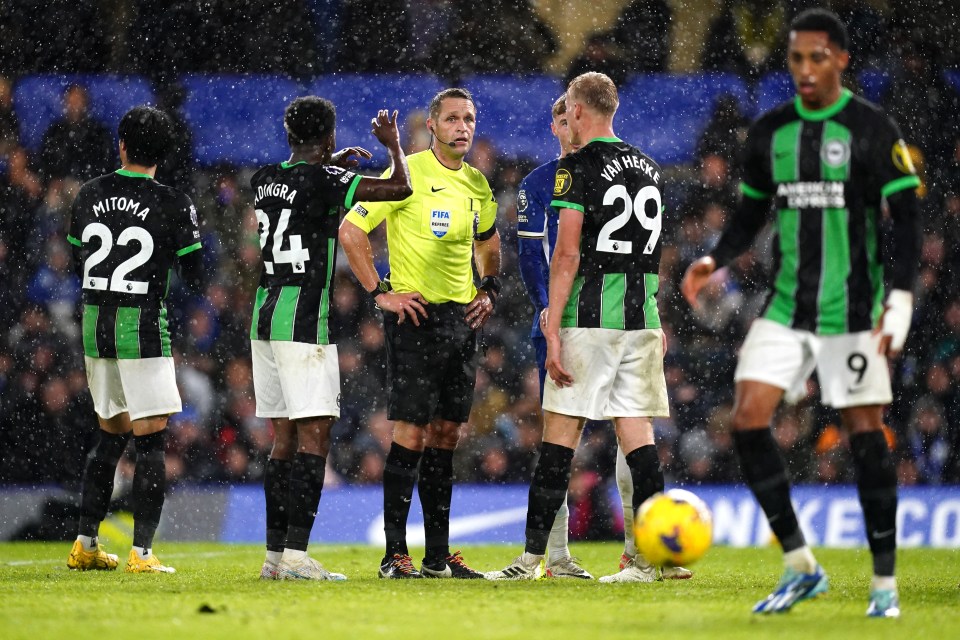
(308, 120)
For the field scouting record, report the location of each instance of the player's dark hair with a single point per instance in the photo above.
(308, 120)
(559, 106)
(823, 20)
(148, 135)
(455, 92)
(597, 91)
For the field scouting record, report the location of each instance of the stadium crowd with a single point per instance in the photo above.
(46, 415)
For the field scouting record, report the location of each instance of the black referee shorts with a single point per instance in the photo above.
(431, 368)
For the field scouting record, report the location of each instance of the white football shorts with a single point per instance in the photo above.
(616, 374)
(295, 379)
(143, 387)
(851, 370)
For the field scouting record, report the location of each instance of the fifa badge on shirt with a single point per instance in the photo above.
(439, 222)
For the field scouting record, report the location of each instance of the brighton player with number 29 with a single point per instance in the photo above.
(605, 346)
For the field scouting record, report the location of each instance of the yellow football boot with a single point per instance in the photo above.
(136, 564)
(97, 560)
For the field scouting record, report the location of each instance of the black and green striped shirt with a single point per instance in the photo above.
(826, 173)
(128, 232)
(298, 210)
(617, 187)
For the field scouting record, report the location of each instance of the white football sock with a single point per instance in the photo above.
(558, 547)
(530, 559)
(273, 557)
(888, 583)
(625, 485)
(801, 560)
(294, 555)
(89, 543)
(142, 552)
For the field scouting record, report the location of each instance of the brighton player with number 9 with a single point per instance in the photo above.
(673, 528)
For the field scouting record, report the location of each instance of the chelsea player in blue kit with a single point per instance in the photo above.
(537, 235)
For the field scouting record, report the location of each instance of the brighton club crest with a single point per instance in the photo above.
(439, 222)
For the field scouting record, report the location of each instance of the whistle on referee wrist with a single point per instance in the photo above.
(491, 286)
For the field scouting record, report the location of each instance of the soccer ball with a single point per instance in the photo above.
(673, 528)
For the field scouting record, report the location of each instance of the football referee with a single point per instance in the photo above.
(431, 313)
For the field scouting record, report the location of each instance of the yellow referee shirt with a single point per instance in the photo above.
(430, 234)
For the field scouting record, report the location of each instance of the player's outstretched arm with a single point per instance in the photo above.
(397, 185)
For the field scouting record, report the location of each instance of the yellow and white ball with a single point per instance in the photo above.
(674, 528)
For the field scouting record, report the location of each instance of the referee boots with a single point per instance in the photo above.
(452, 566)
(398, 567)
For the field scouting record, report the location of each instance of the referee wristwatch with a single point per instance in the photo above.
(382, 287)
(491, 285)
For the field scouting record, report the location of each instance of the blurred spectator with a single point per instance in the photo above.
(55, 286)
(177, 169)
(591, 512)
(923, 104)
(601, 54)
(866, 28)
(76, 145)
(431, 20)
(498, 36)
(417, 136)
(928, 441)
(9, 124)
(746, 38)
(642, 33)
(61, 36)
(166, 32)
(726, 131)
(374, 37)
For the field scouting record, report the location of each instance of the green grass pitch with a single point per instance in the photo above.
(216, 594)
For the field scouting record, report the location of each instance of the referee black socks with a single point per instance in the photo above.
(149, 487)
(548, 490)
(435, 486)
(766, 475)
(306, 485)
(399, 477)
(877, 487)
(97, 486)
(276, 489)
